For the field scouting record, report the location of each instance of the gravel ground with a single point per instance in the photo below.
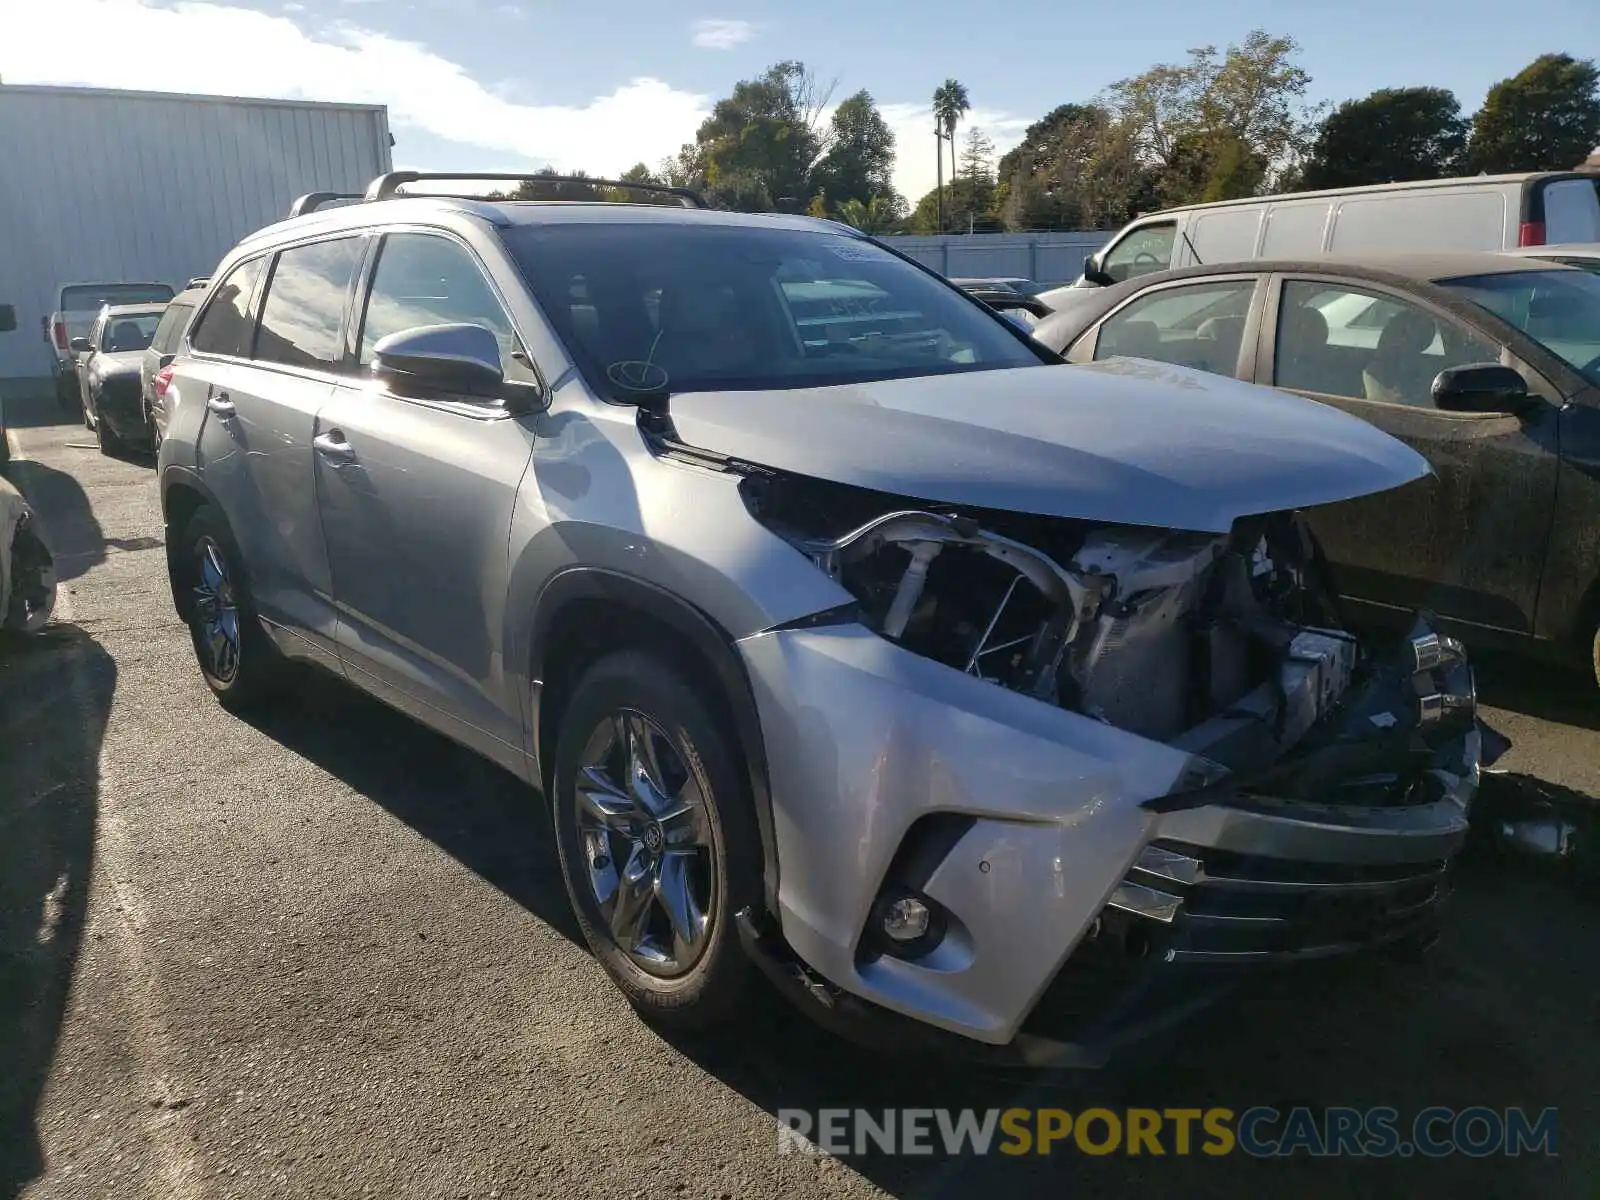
(328, 954)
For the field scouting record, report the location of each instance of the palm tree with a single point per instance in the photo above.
(875, 215)
(950, 104)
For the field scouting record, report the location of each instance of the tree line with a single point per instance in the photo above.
(1220, 126)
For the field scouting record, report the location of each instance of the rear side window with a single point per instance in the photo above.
(304, 311)
(1572, 211)
(170, 329)
(226, 325)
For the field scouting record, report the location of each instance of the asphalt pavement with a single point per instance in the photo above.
(328, 954)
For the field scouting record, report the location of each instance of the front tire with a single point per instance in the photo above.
(657, 839)
(237, 659)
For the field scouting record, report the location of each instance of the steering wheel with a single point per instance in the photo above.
(1145, 259)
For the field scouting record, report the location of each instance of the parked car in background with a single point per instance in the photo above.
(1488, 364)
(27, 569)
(1584, 255)
(77, 306)
(8, 324)
(1007, 283)
(159, 354)
(846, 632)
(1482, 212)
(111, 356)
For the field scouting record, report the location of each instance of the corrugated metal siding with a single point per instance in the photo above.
(99, 185)
(1043, 257)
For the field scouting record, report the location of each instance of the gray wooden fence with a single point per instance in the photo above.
(1045, 257)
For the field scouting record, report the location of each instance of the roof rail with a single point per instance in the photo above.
(312, 201)
(387, 187)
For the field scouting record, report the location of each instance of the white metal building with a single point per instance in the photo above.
(101, 186)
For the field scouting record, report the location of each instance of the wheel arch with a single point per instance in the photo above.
(583, 613)
(183, 492)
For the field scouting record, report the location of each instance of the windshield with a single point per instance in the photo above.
(658, 307)
(92, 297)
(1558, 309)
(129, 331)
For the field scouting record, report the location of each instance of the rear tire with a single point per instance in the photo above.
(237, 659)
(110, 444)
(685, 838)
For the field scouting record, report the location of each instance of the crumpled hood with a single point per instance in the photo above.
(1123, 441)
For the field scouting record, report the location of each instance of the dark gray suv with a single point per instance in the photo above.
(851, 636)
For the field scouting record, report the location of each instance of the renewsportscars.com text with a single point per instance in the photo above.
(1260, 1132)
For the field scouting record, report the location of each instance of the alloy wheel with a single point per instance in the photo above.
(216, 612)
(648, 844)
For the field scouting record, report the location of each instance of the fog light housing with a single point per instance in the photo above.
(906, 919)
(906, 924)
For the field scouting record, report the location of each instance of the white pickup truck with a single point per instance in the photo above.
(77, 305)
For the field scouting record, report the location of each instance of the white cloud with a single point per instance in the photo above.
(914, 170)
(720, 34)
(114, 41)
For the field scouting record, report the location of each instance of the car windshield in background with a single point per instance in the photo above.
(95, 297)
(131, 332)
(654, 307)
(1558, 309)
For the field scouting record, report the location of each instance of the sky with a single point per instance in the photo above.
(521, 84)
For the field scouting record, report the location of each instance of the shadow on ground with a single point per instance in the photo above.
(55, 693)
(493, 823)
(69, 525)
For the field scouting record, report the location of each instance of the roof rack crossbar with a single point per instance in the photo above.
(312, 201)
(386, 187)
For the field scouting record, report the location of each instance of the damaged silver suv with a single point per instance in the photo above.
(973, 698)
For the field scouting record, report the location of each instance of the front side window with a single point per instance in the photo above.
(1343, 341)
(674, 307)
(128, 331)
(1200, 325)
(304, 310)
(1558, 309)
(226, 325)
(422, 279)
(1146, 249)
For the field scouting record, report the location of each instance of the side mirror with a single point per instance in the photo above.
(1093, 274)
(8, 318)
(80, 345)
(1481, 388)
(440, 360)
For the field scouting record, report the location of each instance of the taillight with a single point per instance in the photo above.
(60, 333)
(1531, 234)
(162, 382)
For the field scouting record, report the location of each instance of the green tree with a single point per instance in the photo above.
(977, 173)
(1392, 136)
(759, 146)
(880, 214)
(950, 104)
(1245, 108)
(1078, 167)
(534, 188)
(1544, 118)
(859, 163)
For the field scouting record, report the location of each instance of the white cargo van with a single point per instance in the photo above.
(1485, 212)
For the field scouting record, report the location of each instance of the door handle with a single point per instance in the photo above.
(221, 405)
(332, 445)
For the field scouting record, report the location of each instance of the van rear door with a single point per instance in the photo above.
(1562, 210)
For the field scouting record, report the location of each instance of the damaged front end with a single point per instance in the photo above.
(1231, 778)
